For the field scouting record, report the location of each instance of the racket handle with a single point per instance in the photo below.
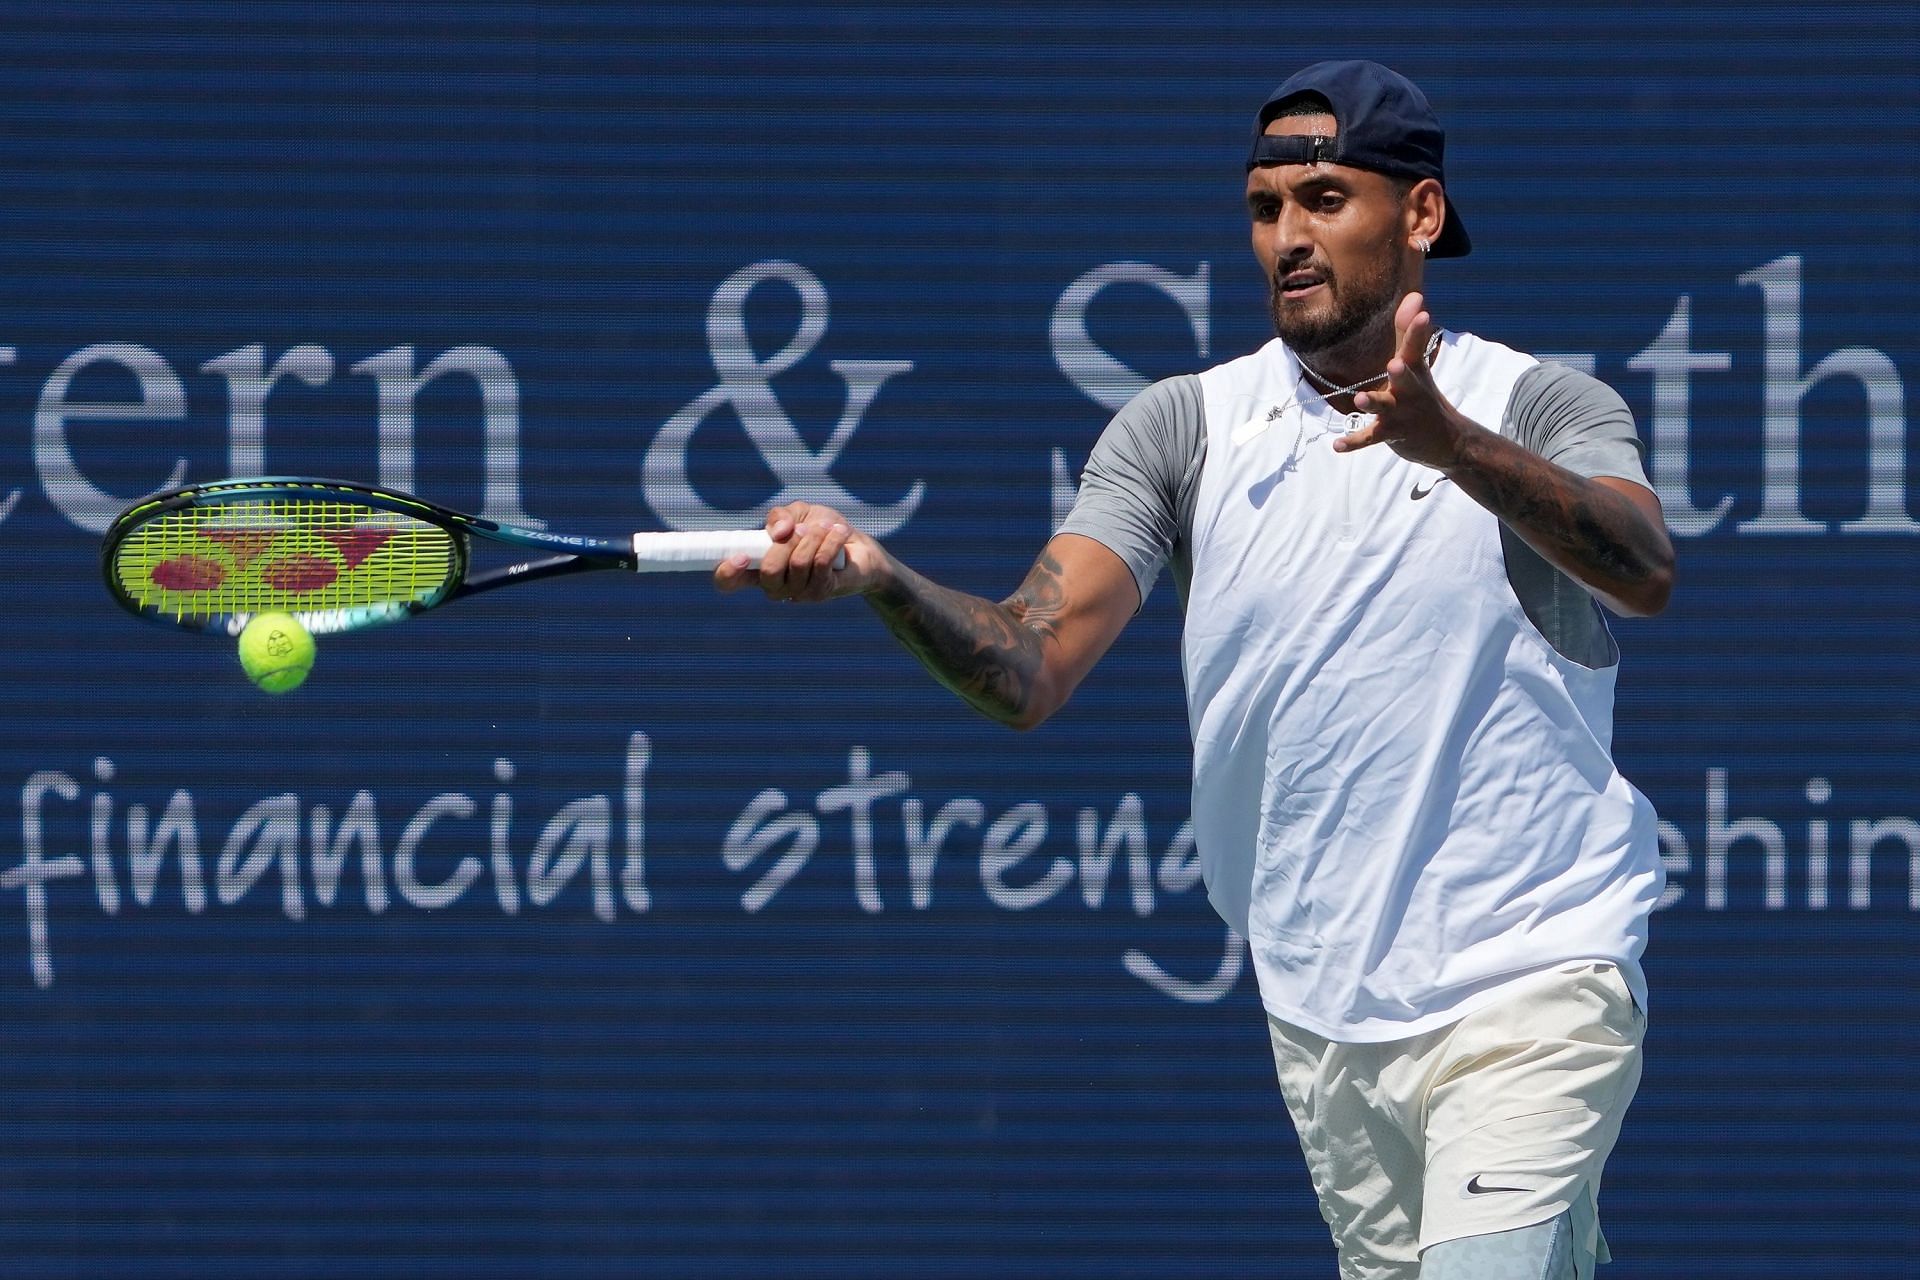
(702, 551)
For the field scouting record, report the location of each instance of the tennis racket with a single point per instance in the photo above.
(342, 557)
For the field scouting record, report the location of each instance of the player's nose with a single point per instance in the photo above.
(1288, 238)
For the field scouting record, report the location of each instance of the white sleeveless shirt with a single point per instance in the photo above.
(1403, 796)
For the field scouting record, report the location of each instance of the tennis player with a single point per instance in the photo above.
(1389, 540)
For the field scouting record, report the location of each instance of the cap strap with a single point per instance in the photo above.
(1293, 148)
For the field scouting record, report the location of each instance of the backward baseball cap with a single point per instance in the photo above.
(1385, 124)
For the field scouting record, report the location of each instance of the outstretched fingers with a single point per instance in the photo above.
(1361, 438)
(1414, 326)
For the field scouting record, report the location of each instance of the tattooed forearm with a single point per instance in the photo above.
(990, 654)
(1590, 532)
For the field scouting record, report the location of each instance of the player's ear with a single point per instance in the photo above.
(1424, 214)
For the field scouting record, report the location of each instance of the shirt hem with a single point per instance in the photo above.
(1382, 1031)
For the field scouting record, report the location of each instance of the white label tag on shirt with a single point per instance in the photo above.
(1255, 425)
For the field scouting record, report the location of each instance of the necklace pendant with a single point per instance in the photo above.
(1253, 426)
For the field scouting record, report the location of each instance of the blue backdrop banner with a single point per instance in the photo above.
(622, 928)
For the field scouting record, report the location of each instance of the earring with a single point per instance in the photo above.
(1423, 244)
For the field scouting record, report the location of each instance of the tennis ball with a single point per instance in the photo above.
(276, 652)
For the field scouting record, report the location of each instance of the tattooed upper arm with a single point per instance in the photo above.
(1040, 599)
(1077, 598)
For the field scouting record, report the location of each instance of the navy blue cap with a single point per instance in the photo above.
(1386, 125)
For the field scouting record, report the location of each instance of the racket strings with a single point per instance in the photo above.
(285, 555)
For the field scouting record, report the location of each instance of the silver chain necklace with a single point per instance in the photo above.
(1433, 345)
(1248, 430)
(1254, 426)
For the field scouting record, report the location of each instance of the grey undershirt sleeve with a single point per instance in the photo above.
(1137, 492)
(1580, 423)
(1575, 421)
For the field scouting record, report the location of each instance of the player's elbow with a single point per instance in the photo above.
(1649, 596)
(1019, 710)
(1660, 592)
(1027, 718)
(1044, 697)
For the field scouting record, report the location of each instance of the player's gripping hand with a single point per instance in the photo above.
(1410, 416)
(807, 540)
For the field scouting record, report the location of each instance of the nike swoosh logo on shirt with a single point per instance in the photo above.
(1474, 1188)
(1417, 493)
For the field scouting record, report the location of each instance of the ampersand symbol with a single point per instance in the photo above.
(746, 386)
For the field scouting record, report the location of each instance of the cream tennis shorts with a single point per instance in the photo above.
(1499, 1121)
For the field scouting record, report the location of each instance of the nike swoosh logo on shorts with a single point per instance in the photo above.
(1417, 493)
(1475, 1189)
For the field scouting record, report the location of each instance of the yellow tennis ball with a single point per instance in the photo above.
(276, 652)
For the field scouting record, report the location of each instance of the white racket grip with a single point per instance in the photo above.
(702, 551)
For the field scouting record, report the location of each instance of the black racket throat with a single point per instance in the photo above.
(479, 580)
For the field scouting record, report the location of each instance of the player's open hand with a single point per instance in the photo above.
(800, 565)
(1410, 416)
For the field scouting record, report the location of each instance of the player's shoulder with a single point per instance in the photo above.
(1171, 406)
(1168, 394)
(1478, 358)
(1159, 433)
(1561, 393)
(1545, 392)
(1241, 371)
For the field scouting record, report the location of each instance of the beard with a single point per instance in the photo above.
(1358, 304)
